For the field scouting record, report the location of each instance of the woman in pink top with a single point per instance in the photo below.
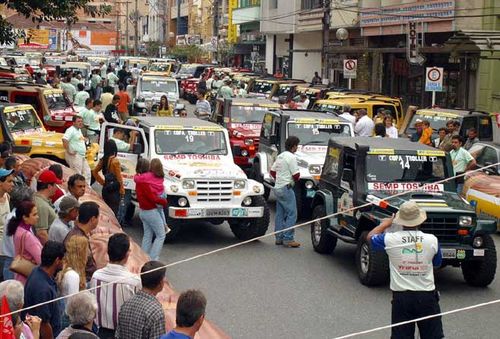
(20, 226)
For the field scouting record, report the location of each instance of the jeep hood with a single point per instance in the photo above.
(39, 137)
(428, 201)
(195, 166)
(156, 96)
(246, 130)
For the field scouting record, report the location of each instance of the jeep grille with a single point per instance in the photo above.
(443, 227)
(214, 190)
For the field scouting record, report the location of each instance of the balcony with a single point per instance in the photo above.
(310, 20)
(247, 14)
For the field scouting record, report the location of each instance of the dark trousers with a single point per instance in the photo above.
(106, 333)
(410, 305)
(112, 199)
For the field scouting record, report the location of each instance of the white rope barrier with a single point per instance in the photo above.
(267, 235)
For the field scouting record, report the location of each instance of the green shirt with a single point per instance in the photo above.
(226, 92)
(80, 98)
(69, 90)
(460, 159)
(75, 140)
(46, 213)
(95, 80)
(121, 145)
(112, 79)
(91, 120)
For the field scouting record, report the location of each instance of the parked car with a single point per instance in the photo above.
(150, 89)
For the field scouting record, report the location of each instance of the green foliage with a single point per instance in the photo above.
(48, 10)
(190, 53)
(152, 48)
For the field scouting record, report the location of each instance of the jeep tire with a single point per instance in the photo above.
(372, 266)
(245, 229)
(322, 241)
(482, 273)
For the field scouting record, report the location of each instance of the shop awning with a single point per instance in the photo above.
(475, 41)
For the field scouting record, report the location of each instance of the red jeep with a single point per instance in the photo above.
(243, 119)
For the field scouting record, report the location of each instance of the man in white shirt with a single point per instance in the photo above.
(68, 212)
(285, 171)
(304, 102)
(346, 114)
(364, 126)
(412, 257)
(103, 69)
(124, 285)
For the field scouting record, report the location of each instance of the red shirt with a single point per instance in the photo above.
(145, 197)
(59, 193)
(124, 101)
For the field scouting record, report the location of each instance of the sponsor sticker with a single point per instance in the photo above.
(405, 186)
(461, 254)
(386, 151)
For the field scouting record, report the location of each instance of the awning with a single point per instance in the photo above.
(475, 41)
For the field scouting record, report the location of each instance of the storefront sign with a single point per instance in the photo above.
(413, 45)
(33, 38)
(350, 68)
(232, 31)
(434, 79)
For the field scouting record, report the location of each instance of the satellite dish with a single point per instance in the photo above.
(342, 34)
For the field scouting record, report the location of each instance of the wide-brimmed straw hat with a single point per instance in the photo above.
(410, 215)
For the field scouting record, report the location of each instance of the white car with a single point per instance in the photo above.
(150, 89)
(201, 180)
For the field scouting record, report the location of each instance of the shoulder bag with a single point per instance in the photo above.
(21, 265)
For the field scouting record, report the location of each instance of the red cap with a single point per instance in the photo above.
(49, 177)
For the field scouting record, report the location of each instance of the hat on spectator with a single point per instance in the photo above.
(67, 204)
(4, 172)
(49, 177)
(410, 215)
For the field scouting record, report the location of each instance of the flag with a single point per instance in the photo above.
(6, 326)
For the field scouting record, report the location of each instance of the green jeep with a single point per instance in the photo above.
(359, 173)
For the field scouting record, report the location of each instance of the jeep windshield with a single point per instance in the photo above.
(187, 141)
(164, 86)
(436, 121)
(317, 134)
(56, 101)
(247, 114)
(283, 90)
(262, 87)
(159, 67)
(385, 169)
(23, 120)
(187, 70)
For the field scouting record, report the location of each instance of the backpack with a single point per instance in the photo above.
(111, 183)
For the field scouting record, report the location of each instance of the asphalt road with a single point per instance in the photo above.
(261, 290)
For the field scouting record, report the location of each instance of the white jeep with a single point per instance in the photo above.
(201, 179)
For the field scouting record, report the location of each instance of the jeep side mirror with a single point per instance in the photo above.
(348, 175)
(138, 148)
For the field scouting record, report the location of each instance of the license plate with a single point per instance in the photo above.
(310, 193)
(220, 212)
(449, 253)
(239, 212)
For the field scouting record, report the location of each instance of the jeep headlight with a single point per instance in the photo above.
(248, 142)
(182, 202)
(174, 188)
(309, 184)
(239, 184)
(315, 169)
(464, 221)
(188, 184)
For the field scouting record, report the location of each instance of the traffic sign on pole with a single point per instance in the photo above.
(350, 68)
(434, 79)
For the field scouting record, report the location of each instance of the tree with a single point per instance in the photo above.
(47, 10)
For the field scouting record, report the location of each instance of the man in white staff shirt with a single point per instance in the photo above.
(364, 125)
(412, 256)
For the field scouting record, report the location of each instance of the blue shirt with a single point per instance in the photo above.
(174, 335)
(40, 287)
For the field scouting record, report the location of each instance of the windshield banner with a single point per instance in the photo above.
(404, 186)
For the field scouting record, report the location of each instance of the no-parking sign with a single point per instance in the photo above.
(350, 68)
(434, 79)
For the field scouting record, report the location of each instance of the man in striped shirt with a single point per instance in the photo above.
(110, 297)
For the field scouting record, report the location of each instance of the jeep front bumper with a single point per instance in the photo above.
(459, 253)
(208, 213)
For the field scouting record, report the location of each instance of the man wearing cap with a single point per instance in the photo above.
(6, 186)
(46, 188)
(412, 256)
(74, 144)
(68, 212)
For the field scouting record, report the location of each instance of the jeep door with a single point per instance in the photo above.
(269, 146)
(128, 159)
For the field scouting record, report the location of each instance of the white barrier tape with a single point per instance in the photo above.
(267, 235)
(419, 319)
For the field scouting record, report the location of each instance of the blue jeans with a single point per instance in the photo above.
(460, 188)
(286, 213)
(153, 225)
(7, 273)
(122, 210)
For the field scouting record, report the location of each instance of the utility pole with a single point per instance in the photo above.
(166, 23)
(118, 26)
(178, 17)
(126, 27)
(136, 28)
(215, 14)
(326, 38)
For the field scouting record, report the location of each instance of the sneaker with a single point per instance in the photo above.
(278, 242)
(292, 244)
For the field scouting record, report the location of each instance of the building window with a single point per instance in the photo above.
(248, 3)
(273, 4)
(311, 4)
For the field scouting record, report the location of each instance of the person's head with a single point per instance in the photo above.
(124, 67)
(116, 99)
(426, 124)
(456, 142)
(303, 97)
(118, 133)
(88, 214)
(89, 103)
(442, 133)
(118, 248)
(200, 95)
(135, 65)
(157, 168)
(183, 113)
(361, 112)
(110, 148)
(388, 121)
(164, 102)
(76, 185)
(418, 125)
(81, 309)
(80, 86)
(68, 208)
(97, 105)
(291, 144)
(456, 125)
(450, 126)
(46, 183)
(471, 133)
(316, 74)
(142, 166)
(75, 258)
(11, 163)
(190, 311)
(346, 108)
(6, 180)
(380, 130)
(5, 152)
(77, 121)
(153, 276)
(13, 291)
(53, 255)
(410, 215)
(121, 87)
